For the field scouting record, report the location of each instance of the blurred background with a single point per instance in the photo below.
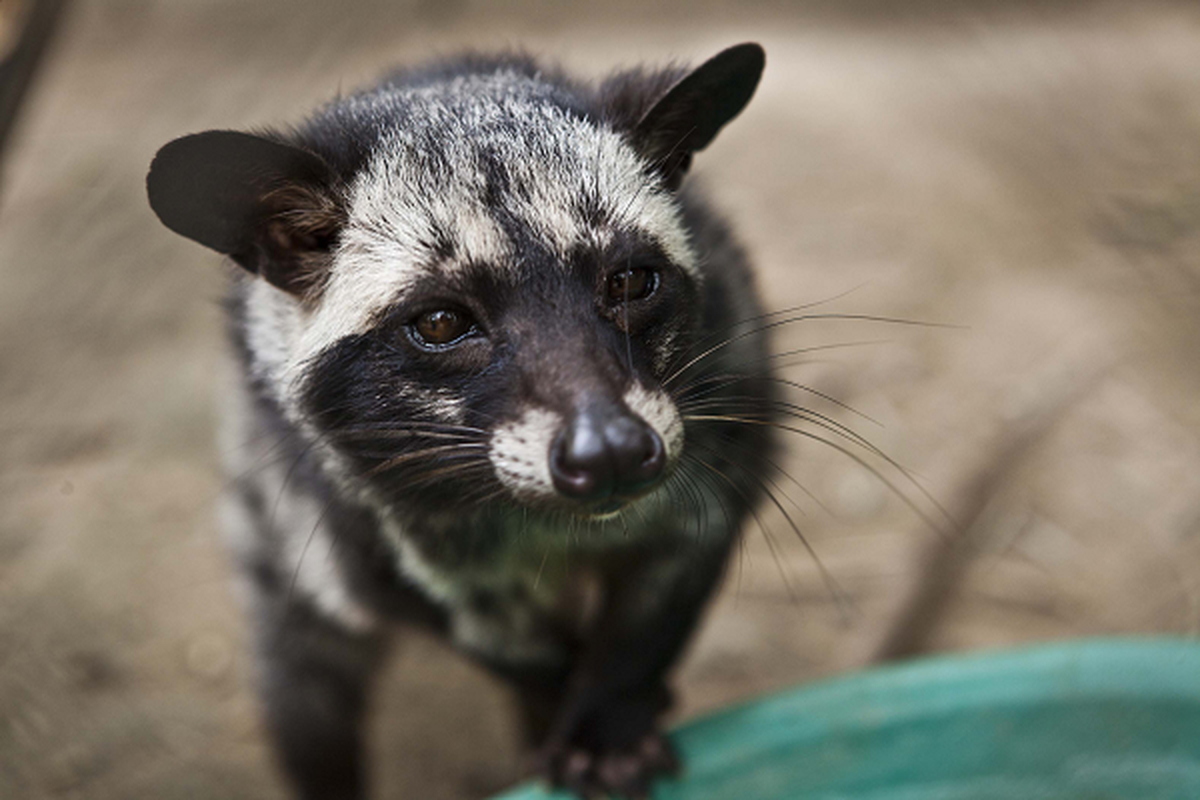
(1026, 172)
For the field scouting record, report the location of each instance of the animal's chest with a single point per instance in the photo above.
(514, 605)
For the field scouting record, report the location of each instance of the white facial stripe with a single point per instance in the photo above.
(659, 218)
(390, 241)
(520, 453)
(658, 410)
(595, 162)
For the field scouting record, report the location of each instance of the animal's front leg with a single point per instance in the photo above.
(314, 679)
(314, 686)
(605, 738)
(618, 749)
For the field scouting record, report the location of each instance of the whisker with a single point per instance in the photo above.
(812, 349)
(772, 545)
(537, 580)
(402, 434)
(446, 471)
(274, 454)
(724, 380)
(674, 496)
(801, 318)
(766, 315)
(778, 468)
(849, 454)
(704, 479)
(287, 477)
(756, 405)
(625, 313)
(840, 597)
(417, 455)
(695, 498)
(486, 497)
(412, 425)
(687, 486)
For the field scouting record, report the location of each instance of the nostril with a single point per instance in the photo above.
(656, 457)
(638, 452)
(580, 466)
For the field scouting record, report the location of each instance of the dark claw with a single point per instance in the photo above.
(659, 753)
(624, 773)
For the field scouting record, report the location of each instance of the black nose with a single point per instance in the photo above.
(604, 453)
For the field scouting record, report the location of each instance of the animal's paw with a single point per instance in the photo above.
(613, 772)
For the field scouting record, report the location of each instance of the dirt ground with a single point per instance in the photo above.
(1027, 173)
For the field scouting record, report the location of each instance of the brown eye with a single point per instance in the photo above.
(442, 326)
(631, 284)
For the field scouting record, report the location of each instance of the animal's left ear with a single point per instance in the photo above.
(696, 107)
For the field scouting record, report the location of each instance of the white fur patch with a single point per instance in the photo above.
(274, 325)
(442, 588)
(658, 410)
(309, 551)
(520, 453)
(294, 520)
(510, 635)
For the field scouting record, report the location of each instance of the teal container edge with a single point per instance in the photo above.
(1095, 719)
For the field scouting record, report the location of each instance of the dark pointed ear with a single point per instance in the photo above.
(689, 115)
(272, 207)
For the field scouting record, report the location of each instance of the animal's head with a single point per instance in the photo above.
(471, 285)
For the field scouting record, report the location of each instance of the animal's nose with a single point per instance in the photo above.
(602, 453)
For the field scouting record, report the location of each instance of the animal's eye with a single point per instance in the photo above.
(632, 284)
(443, 326)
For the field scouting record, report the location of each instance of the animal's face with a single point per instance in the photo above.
(505, 297)
(486, 308)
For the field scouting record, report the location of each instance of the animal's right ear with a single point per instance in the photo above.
(272, 207)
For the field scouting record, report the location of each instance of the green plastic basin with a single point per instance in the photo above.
(1092, 720)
